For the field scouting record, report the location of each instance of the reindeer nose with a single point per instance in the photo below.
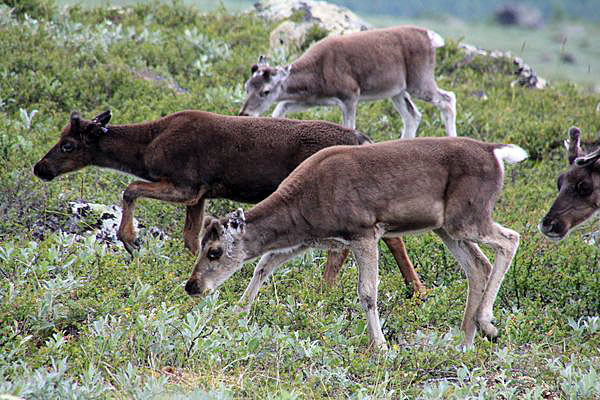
(550, 225)
(191, 287)
(42, 171)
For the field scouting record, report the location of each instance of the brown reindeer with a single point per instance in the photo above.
(191, 156)
(350, 197)
(341, 70)
(578, 191)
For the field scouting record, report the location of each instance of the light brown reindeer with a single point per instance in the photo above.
(190, 156)
(341, 70)
(578, 191)
(350, 197)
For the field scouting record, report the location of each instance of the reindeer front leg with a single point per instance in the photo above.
(193, 225)
(162, 190)
(366, 254)
(265, 267)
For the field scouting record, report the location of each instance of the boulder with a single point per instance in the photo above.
(306, 20)
(519, 15)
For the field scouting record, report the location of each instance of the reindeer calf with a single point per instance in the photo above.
(341, 70)
(350, 197)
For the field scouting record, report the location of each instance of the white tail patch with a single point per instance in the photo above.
(435, 39)
(510, 153)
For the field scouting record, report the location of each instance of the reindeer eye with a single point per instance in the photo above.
(67, 147)
(583, 189)
(264, 93)
(214, 253)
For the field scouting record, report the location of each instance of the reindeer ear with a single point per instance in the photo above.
(588, 159)
(212, 230)
(254, 68)
(103, 118)
(75, 120)
(236, 223)
(573, 144)
(262, 60)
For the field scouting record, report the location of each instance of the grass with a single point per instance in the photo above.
(80, 319)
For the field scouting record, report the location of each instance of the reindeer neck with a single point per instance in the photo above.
(270, 228)
(122, 147)
(299, 84)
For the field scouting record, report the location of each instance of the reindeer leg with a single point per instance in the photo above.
(446, 102)
(265, 267)
(287, 106)
(411, 278)
(335, 261)
(477, 268)
(366, 255)
(505, 242)
(349, 111)
(409, 112)
(162, 190)
(193, 225)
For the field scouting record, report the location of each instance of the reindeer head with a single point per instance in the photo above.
(578, 191)
(263, 87)
(221, 253)
(75, 148)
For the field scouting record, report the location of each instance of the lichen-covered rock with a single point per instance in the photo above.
(99, 220)
(525, 74)
(305, 17)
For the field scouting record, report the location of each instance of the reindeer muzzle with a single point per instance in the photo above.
(552, 228)
(43, 171)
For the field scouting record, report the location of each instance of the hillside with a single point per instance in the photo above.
(80, 319)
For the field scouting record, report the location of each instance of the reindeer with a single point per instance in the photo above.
(341, 70)
(191, 156)
(350, 197)
(578, 191)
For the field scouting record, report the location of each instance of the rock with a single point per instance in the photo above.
(567, 58)
(304, 19)
(519, 15)
(525, 74)
(100, 220)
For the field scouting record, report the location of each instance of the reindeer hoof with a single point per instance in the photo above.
(132, 247)
(488, 330)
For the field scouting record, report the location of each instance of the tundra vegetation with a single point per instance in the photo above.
(80, 319)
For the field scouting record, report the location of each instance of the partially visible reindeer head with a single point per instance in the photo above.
(263, 87)
(578, 191)
(75, 148)
(221, 253)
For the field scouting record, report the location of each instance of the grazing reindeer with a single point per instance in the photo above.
(191, 156)
(350, 197)
(341, 70)
(578, 191)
